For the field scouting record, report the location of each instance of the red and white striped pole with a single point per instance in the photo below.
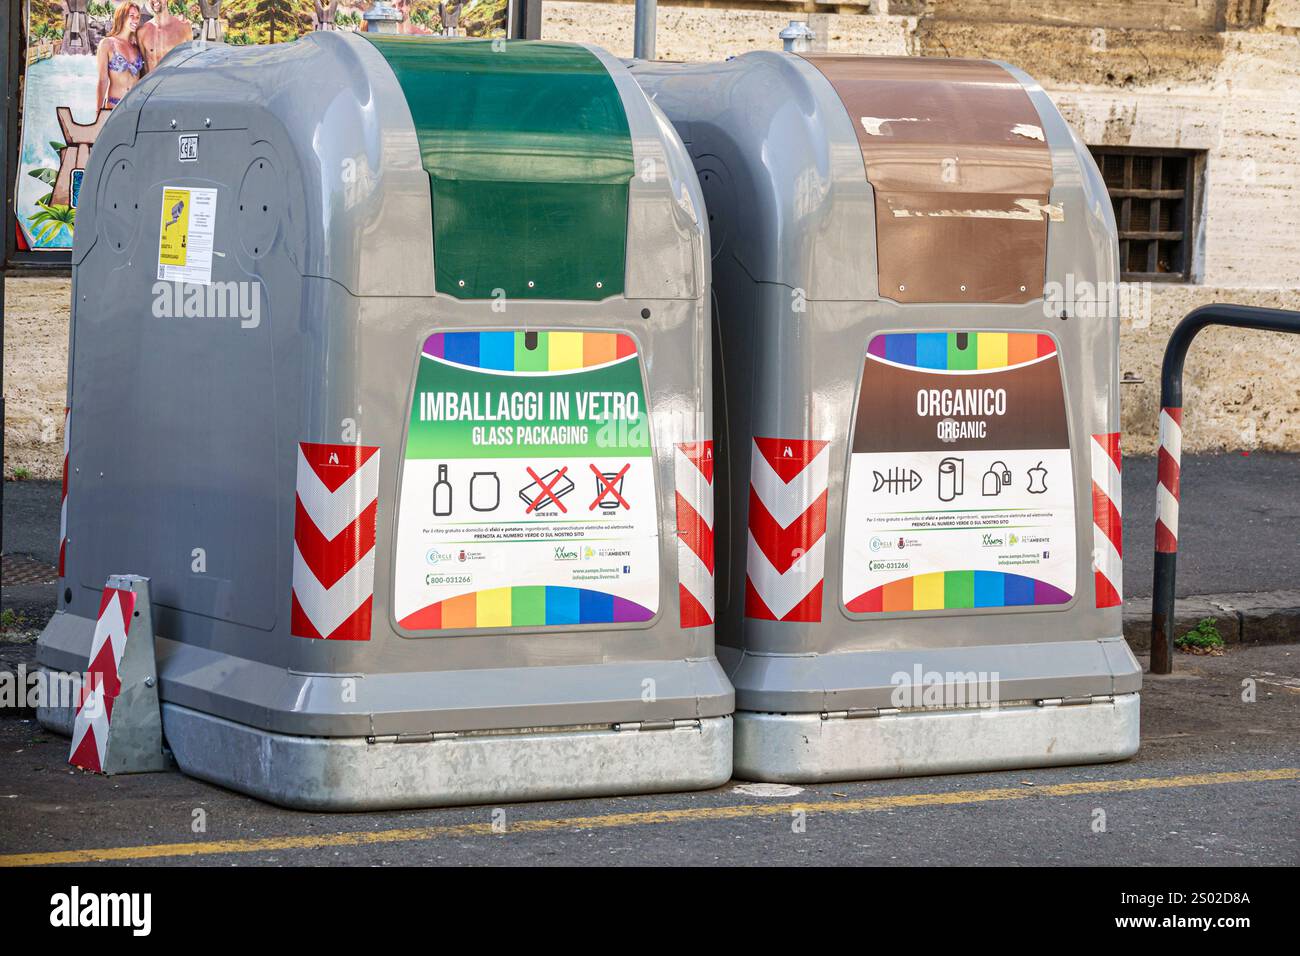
(1168, 462)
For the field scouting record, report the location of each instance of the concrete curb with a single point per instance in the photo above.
(1262, 617)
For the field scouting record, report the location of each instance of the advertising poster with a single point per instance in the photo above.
(84, 56)
(528, 488)
(961, 492)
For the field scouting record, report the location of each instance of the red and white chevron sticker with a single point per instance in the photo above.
(1168, 465)
(1107, 524)
(63, 506)
(786, 558)
(693, 468)
(101, 684)
(334, 541)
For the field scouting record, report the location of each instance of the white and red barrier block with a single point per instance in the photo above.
(1107, 520)
(1168, 463)
(118, 727)
(786, 559)
(693, 473)
(334, 541)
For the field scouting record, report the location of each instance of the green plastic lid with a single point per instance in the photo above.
(528, 153)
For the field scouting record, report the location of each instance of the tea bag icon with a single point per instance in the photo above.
(995, 479)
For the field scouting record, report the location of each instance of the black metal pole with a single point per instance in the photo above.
(526, 19)
(1171, 443)
(10, 56)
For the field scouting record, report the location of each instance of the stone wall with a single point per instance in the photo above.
(1241, 389)
(700, 32)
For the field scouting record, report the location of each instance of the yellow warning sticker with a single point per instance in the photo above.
(185, 234)
(175, 227)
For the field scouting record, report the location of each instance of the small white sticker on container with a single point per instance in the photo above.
(185, 234)
(189, 147)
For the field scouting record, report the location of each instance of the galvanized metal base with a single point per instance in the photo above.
(316, 773)
(59, 720)
(349, 773)
(807, 748)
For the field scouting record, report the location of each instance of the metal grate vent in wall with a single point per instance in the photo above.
(1153, 192)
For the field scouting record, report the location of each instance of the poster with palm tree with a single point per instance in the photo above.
(83, 57)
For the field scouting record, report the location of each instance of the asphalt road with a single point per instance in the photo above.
(1238, 525)
(31, 519)
(1217, 782)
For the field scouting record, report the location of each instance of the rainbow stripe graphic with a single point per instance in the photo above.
(529, 351)
(526, 606)
(961, 351)
(945, 590)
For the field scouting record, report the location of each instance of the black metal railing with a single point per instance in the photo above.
(1169, 466)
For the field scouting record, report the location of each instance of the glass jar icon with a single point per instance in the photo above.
(484, 491)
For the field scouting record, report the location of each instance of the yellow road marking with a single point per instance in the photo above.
(643, 818)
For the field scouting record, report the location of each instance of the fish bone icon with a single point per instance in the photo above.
(897, 481)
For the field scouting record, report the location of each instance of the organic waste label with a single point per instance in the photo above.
(528, 493)
(960, 491)
(185, 234)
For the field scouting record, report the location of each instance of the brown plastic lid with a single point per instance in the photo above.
(956, 154)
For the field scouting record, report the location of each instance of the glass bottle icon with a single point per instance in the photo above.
(442, 493)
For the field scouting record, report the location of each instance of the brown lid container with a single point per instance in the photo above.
(956, 154)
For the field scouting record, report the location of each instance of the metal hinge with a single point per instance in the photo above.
(1075, 701)
(692, 723)
(426, 738)
(856, 712)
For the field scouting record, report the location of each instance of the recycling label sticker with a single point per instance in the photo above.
(185, 234)
(528, 489)
(960, 490)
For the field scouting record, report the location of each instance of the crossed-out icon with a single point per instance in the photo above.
(548, 491)
(609, 484)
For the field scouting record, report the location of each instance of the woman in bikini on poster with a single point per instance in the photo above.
(121, 64)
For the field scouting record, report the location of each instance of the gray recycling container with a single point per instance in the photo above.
(390, 370)
(918, 524)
